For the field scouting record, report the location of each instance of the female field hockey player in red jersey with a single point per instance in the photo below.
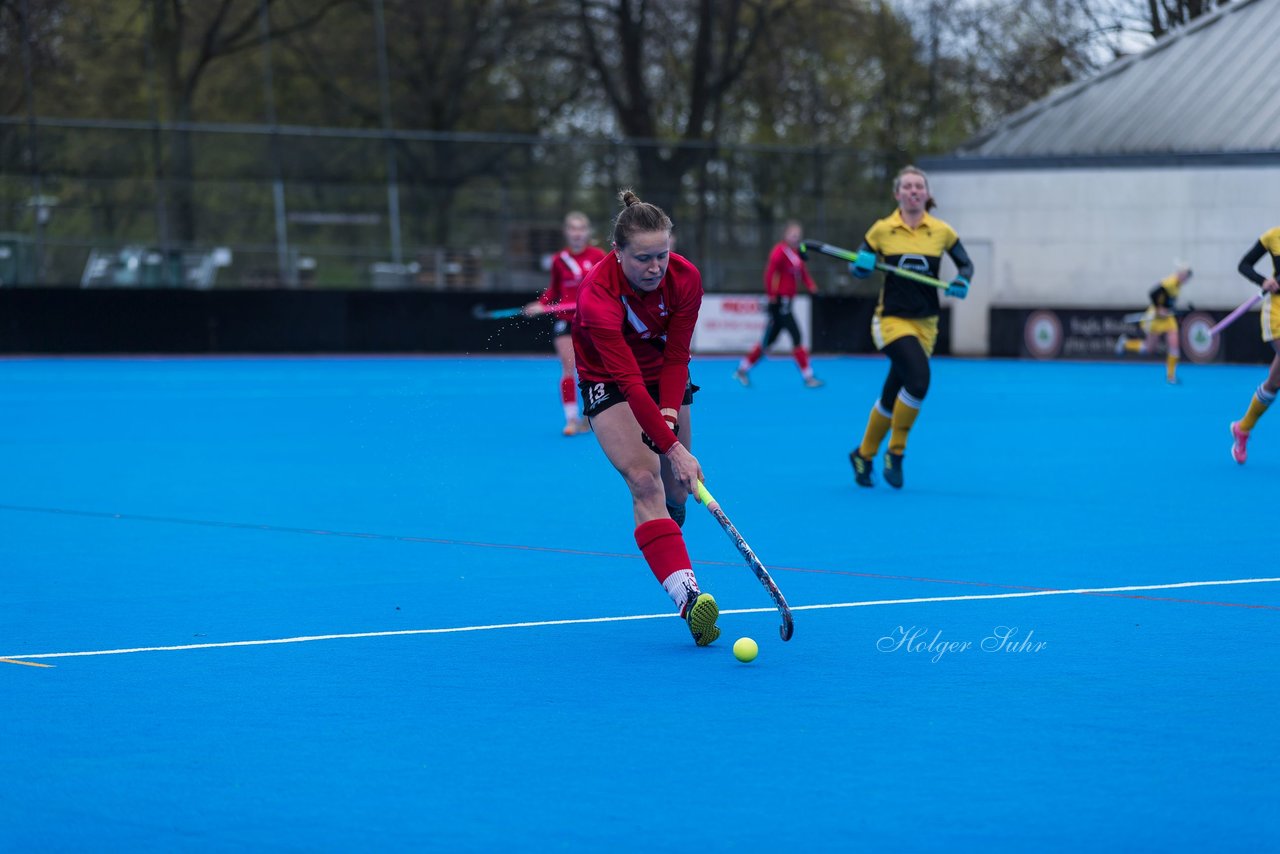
(569, 267)
(631, 334)
(1268, 244)
(783, 276)
(905, 325)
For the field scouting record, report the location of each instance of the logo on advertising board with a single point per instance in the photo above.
(1197, 342)
(1043, 334)
(734, 323)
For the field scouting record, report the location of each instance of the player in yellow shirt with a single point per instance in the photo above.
(1265, 394)
(1160, 319)
(905, 326)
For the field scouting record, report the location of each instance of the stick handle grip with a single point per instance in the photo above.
(706, 497)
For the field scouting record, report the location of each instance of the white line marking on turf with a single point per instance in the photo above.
(1080, 591)
(1023, 594)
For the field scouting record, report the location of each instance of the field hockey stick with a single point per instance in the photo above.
(479, 313)
(752, 561)
(1235, 313)
(846, 255)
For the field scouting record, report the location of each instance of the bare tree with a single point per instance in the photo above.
(188, 39)
(26, 48)
(454, 67)
(665, 70)
(1166, 15)
(988, 59)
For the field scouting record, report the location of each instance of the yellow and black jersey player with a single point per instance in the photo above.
(1265, 395)
(905, 326)
(1160, 319)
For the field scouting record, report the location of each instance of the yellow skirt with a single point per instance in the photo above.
(1159, 325)
(1270, 318)
(885, 330)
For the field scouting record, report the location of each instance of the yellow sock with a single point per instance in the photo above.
(1135, 345)
(1257, 406)
(1171, 367)
(877, 426)
(904, 415)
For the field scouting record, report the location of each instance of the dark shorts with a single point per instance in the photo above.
(562, 326)
(597, 397)
(781, 320)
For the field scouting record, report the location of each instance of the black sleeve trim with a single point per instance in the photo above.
(1248, 261)
(964, 266)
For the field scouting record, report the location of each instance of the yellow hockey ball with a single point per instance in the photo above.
(745, 649)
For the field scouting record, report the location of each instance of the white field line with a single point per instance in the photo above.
(1080, 591)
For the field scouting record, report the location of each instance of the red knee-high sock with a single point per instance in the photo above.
(751, 358)
(568, 399)
(662, 545)
(802, 359)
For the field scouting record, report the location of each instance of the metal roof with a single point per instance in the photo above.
(1209, 87)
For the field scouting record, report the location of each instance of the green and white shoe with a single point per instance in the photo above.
(701, 613)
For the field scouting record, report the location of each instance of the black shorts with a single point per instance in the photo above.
(781, 320)
(597, 397)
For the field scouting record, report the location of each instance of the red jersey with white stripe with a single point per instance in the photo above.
(636, 339)
(785, 272)
(567, 272)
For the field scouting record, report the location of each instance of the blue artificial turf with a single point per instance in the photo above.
(163, 503)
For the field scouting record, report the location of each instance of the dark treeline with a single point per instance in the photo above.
(484, 120)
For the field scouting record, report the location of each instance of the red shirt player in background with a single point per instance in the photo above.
(782, 279)
(568, 268)
(636, 313)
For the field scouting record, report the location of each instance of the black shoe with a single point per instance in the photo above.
(861, 469)
(893, 470)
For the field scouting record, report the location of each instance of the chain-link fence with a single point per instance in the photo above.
(98, 203)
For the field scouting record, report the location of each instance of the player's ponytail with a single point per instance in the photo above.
(637, 217)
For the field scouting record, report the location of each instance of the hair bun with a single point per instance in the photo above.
(636, 217)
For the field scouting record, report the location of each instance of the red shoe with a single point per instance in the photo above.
(1239, 443)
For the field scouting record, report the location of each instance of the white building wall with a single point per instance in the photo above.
(1102, 237)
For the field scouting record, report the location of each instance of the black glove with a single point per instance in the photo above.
(675, 428)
